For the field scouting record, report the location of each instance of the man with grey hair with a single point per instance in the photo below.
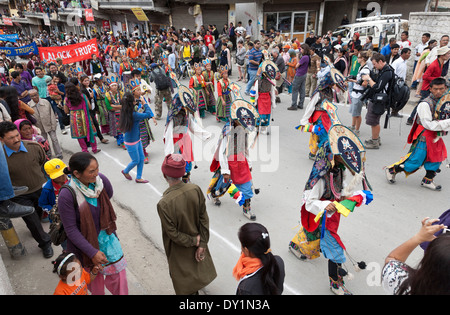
(45, 120)
(279, 61)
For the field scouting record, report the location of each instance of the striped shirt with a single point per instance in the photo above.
(254, 55)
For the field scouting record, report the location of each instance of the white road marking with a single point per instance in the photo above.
(226, 241)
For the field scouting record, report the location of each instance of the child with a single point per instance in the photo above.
(208, 74)
(50, 190)
(74, 279)
(224, 99)
(54, 91)
(197, 84)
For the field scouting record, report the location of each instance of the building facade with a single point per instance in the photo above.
(295, 18)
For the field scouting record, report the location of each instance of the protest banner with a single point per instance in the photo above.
(7, 21)
(70, 53)
(20, 51)
(89, 15)
(9, 37)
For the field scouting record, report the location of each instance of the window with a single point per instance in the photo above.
(288, 22)
(299, 22)
(271, 20)
(284, 22)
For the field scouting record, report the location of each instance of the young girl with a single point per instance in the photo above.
(130, 125)
(224, 96)
(74, 279)
(198, 85)
(258, 271)
(208, 74)
(113, 104)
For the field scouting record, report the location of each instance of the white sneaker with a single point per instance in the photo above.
(64, 131)
(430, 184)
(338, 287)
(249, 214)
(389, 176)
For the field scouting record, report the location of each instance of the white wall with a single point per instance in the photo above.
(435, 23)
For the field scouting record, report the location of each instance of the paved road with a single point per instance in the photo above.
(280, 170)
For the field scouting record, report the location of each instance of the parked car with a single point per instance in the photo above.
(381, 28)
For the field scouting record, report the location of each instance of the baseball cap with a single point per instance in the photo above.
(54, 168)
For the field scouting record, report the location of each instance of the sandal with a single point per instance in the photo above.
(141, 181)
(105, 140)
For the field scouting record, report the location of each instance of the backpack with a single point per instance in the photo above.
(56, 231)
(162, 81)
(399, 94)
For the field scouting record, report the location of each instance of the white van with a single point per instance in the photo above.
(388, 25)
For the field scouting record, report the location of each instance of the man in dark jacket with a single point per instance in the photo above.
(381, 85)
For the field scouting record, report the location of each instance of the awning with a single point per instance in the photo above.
(17, 24)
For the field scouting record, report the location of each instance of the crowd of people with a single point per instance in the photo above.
(110, 94)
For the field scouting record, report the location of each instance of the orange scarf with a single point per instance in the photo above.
(245, 266)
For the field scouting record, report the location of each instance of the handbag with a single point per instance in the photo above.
(56, 231)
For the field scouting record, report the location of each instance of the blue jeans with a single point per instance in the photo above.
(6, 188)
(136, 153)
(252, 74)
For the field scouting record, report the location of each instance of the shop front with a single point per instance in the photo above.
(295, 24)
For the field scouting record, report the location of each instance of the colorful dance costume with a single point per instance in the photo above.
(336, 158)
(209, 78)
(315, 115)
(427, 146)
(114, 114)
(177, 136)
(125, 69)
(223, 90)
(232, 153)
(265, 101)
(197, 84)
(99, 97)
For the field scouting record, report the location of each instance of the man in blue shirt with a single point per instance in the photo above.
(254, 59)
(386, 50)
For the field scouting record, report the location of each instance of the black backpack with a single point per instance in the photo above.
(399, 94)
(162, 81)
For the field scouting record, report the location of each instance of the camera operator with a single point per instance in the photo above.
(378, 97)
(359, 87)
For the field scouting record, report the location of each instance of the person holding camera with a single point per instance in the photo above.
(378, 98)
(359, 86)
